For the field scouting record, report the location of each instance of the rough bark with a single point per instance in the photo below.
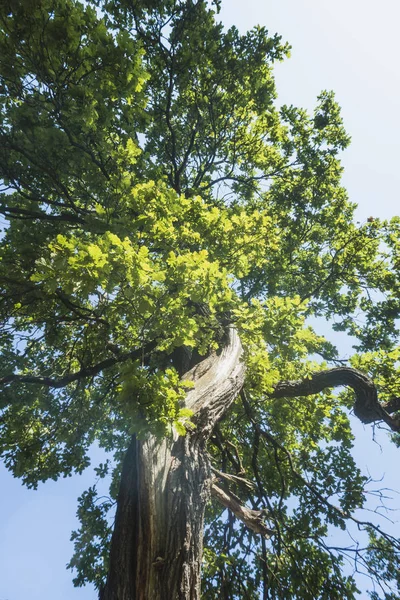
(157, 544)
(366, 407)
(156, 547)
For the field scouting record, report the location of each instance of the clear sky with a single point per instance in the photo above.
(350, 46)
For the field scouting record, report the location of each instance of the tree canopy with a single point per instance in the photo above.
(155, 201)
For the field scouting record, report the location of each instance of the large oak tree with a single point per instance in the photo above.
(168, 233)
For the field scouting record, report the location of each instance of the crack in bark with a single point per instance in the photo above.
(217, 382)
(169, 487)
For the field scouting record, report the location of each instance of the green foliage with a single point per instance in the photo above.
(152, 194)
(381, 558)
(152, 402)
(92, 540)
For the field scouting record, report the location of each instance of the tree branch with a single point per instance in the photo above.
(343, 514)
(366, 406)
(21, 213)
(90, 371)
(234, 478)
(253, 519)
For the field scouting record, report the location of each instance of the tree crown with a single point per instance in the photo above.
(154, 194)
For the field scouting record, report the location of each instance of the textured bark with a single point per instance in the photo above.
(157, 544)
(366, 406)
(156, 547)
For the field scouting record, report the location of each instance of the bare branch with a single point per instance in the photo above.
(234, 478)
(253, 519)
(343, 514)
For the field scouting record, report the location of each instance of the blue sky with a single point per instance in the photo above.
(350, 46)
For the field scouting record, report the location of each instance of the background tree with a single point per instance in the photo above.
(167, 233)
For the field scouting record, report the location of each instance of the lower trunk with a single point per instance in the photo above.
(157, 543)
(156, 549)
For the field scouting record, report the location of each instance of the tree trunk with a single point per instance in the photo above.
(156, 547)
(157, 543)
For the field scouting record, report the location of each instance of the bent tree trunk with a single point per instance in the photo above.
(157, 543)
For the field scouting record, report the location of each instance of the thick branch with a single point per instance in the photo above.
(366, 406)
(217, 382)
(233, 478)
(253, 519)
(392, 406)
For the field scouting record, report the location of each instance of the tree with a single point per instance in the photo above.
(168, 233)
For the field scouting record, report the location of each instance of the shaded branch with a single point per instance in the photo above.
(79, 310)
(90, 371)
(21, 213)
(343, 514)
(366, 406)
(392, 405)
(234, 478)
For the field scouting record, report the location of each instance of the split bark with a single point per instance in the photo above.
(157, 544)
